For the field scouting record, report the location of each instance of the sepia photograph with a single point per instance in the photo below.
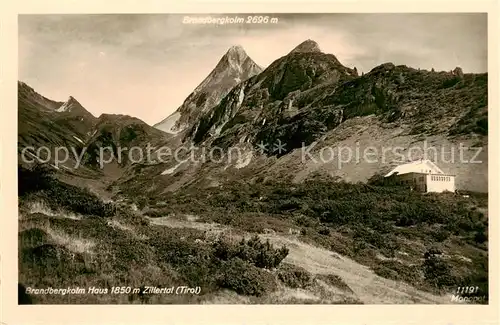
(253, 159)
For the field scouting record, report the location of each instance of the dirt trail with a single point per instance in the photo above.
(366, 285)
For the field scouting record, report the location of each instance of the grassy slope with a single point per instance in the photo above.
(68, 237)
(387, 228)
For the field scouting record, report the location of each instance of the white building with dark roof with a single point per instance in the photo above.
(423, 176)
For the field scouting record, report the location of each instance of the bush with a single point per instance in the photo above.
(436, 271)
(480, 237)
(441, 235)
(450, 82)
(324, 231)
(33, 237)
(381, 180)
(223, 264)
(262, 255)
(39, 177)
(396, 270)
(244, 278)
(294, 276)
(386, 272)
(334, 280)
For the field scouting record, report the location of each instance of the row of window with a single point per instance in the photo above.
(441, 178)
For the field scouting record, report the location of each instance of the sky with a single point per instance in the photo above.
(145, 65)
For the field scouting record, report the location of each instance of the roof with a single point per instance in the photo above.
(417, 166)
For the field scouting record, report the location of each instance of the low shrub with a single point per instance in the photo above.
(38, 178)
(324, 231)
(436, 271)
(262, 255)
(334, 280)
(480, 237)
(395, 270)
(245, 278)
(294, 276)
(222, 264)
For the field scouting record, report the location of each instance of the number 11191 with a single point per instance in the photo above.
(467, 290)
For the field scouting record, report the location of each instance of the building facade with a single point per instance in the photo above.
(423, 176)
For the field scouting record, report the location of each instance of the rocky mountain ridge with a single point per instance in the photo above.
(303, 95)
(301, 99)
(234, 67)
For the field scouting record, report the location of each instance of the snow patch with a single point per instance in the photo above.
(66, 107)
(171, 170)
(241, 97)
(168, 124)
(78, 139)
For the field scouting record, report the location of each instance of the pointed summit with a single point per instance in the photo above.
(235, 57)
(237, 50)
(306, 46)
(234, 67)
(74, 107)
(68, 105)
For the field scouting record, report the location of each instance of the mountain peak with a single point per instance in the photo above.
(234, 67)
(306, 46)
(69, 105)
(236, 53)
(236, 49)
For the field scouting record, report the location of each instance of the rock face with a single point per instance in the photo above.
(257, 106)
(305, 94)
(234, 67)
